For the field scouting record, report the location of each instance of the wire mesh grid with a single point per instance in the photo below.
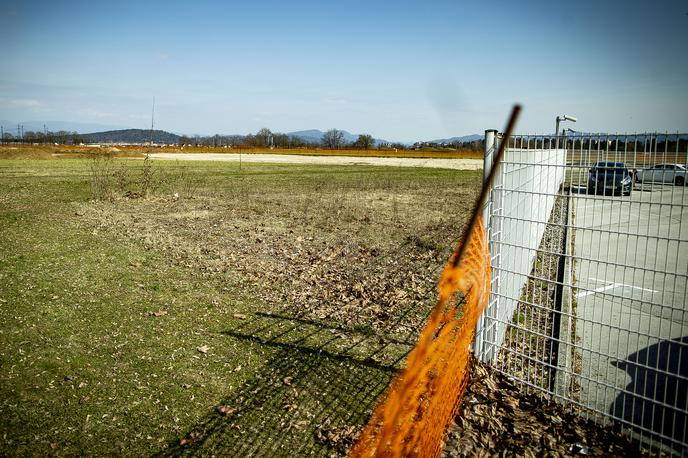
(589, 246)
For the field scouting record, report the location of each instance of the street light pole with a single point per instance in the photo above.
(563, 118)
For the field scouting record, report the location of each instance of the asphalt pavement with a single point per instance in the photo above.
(631, 274)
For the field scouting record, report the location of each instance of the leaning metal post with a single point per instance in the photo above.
(488, 162)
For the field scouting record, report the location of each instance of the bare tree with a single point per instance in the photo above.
(333, 139)
(364, 141)
(263, 137)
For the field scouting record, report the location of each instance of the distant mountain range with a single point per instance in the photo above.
(131, 136)
(315, 136)
(464, 139)
(104, 133)
(160, 136)
(312, 136)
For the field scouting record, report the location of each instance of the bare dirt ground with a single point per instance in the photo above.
(456, 164)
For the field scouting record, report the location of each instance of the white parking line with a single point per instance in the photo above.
(598, 280)
(598, 290)
(612, 286)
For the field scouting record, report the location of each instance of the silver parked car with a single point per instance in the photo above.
(663, 173)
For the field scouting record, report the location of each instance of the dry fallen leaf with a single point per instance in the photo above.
(203, 349)
(190, 439)
(240, 316)
(298, 425)
(225, 410)
(158, 313)
(290, 407)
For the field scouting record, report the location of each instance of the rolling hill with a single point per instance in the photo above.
(131, 136)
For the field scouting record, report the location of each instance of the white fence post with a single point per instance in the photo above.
(488, 161)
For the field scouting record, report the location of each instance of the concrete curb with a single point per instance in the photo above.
(565, 348)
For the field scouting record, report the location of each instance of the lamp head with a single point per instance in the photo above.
(567, 118)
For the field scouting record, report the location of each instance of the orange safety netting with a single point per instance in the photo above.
(425, 395)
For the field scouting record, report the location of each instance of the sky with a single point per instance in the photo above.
(402, 71)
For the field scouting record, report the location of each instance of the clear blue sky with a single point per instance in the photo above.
(398, 70)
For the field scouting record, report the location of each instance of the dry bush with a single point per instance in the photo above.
(148, 183)
(102, 177)
(109, 181)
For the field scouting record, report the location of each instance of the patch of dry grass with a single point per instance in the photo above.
(50, 152)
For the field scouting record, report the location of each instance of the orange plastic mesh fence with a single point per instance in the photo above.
(425, 395)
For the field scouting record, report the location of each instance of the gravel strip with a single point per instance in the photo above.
(526, 351)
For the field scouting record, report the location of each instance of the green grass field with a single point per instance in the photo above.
(228, 312)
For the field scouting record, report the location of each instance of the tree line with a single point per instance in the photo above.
(265, 138)
(62, 137)
(332, 139)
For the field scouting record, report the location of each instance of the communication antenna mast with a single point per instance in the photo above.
(152, 122)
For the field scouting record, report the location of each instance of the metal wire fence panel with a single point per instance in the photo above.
(522, 197)
(589, 246)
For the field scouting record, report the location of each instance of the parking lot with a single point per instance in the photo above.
(631, 272)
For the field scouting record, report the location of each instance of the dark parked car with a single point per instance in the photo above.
(609, 178)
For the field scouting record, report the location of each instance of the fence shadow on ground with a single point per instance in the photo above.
(314, 393)
(655, 400)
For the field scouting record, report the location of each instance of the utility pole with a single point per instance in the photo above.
(18, 133)
(2, 134)
(45, 134)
